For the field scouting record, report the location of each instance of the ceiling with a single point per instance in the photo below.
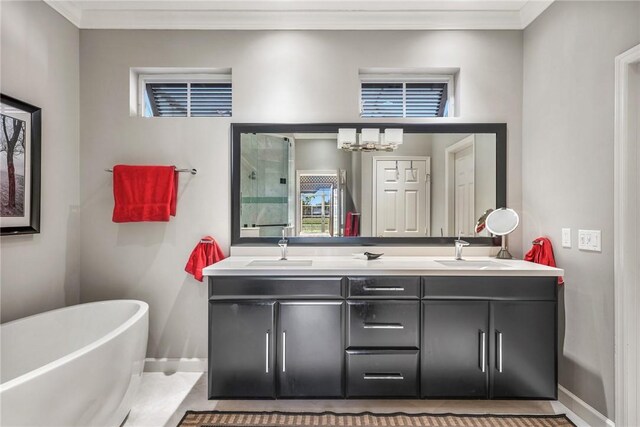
(301, 14)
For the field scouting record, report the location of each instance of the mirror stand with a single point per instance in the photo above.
(504, 252)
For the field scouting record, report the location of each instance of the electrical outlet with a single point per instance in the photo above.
(566, 238)
(589, 240)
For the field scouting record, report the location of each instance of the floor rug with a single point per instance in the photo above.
(365, 419)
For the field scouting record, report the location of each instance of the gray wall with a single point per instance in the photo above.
(319, 83)
(321, 154)
(567, 172)
(39, 56)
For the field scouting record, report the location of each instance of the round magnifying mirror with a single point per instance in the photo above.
(500, 223)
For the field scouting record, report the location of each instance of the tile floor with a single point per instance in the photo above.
(163, 399)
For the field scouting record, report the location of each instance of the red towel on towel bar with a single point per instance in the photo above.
(542, 253)
(348, 224)
(352, 224)
(355, 229)
(144, 193)
(205, 253)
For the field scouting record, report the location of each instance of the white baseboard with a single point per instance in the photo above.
(168, 365)
(583, 409)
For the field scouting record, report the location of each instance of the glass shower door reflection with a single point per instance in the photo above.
(264, 185)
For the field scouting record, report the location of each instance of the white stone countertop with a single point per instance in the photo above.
(384, 266)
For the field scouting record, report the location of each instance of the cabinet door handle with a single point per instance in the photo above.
(382, 288)
(499, 351)
(386, 376)
(266, 353)
(383, 326)
(284, 351)
(483, 351)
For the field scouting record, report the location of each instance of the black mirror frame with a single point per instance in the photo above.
(499, 129)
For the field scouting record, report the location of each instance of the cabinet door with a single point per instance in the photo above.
(524, 356)
(310, 349)
(455, 348)
(241, 349)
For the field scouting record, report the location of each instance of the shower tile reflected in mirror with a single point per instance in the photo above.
(432, 185)
(264, 185)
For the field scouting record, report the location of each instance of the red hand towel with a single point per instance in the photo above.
(348, 224)
(205, 253)
(144, 193)
(356, 226)
(542, 253)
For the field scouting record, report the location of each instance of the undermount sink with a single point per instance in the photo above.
(470, 264)
(280, 263)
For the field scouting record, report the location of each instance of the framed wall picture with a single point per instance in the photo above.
(20, 134)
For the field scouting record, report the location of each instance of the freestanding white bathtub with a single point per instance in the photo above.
(75, 366)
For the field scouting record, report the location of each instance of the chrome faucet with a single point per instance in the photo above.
(283, 242)
(459, 244)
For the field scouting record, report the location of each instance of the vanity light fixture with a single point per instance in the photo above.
(347, 138)
(370, 139)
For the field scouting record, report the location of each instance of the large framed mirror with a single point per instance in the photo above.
(366, 184)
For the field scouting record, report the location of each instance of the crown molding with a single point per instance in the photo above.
(68, 9)
(287, 15)
(531, 10)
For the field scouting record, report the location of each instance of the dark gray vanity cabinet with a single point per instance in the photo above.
(383, 336)
(310, 350)
(524, 343)
(242, 349)
(455, 348)
(276, 337)
(489, 337)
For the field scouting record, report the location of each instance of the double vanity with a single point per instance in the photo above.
(396, 327)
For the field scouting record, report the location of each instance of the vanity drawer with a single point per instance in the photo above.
(233, 287)
(390, 373)
(498, 288)
(383, 287)
(383, 324)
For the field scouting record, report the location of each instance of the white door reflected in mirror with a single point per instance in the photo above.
(501, 222)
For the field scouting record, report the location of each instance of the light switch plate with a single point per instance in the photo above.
(566, 237)
(589, 240)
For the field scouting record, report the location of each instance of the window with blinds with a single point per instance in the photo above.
(187, 99)
(404, 99)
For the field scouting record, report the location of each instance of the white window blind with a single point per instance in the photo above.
(403, 99)
(187, 99)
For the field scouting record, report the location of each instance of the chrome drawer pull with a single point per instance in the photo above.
(266, 354)
(284, 351)
(383, 326)
(383, 377)
(483, 350)
(499, 344)
(382, 288)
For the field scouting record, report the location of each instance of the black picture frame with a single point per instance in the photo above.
(34, 153)
(499, 129)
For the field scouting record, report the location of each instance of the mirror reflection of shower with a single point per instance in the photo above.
(264, 195)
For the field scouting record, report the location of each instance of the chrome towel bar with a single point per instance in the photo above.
(191, 171)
